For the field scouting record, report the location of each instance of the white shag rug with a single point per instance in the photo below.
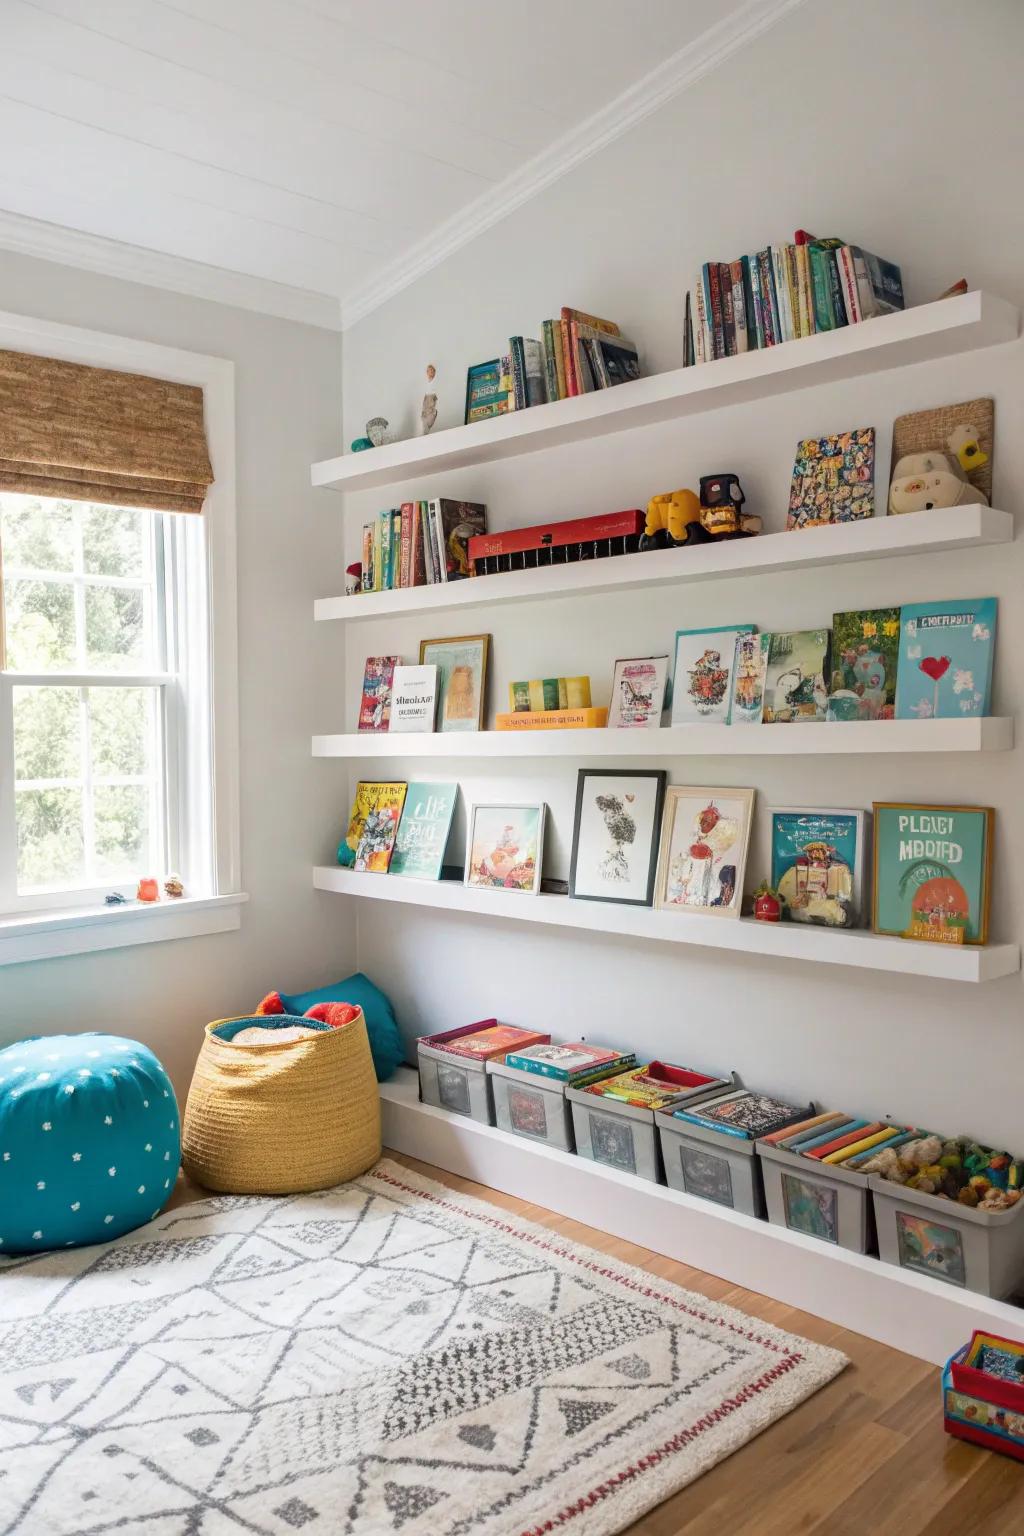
(385, 1356)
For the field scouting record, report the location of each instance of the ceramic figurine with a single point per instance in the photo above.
(353, 579)
(173, 887)
(721, 508)
(360, 444)
(428, 410)
(148, 889)
(767, 904)
(673, 520)
(376, 427)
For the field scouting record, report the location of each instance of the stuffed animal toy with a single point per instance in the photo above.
(921, 481)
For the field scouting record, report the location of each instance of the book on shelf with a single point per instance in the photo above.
(552, 720)
(420, 543)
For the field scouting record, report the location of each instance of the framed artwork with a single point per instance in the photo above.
(702, 680)
(833, 479)
(615, 835)
(817, 863)
(933, 871)
(505, 847)
(795, 688)
(946, 653)
(638, 693)
(704, 837)
(750, 667)
(461, 679)
(865, 655)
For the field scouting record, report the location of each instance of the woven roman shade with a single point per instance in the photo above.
(92, 434)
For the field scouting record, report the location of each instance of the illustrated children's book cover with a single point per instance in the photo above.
(865, 657)
(933, 871)
(833, 479)
(750, 667)
(818, 865)
(413, 698)
(745, 1114)
(795, 687)
(375, 704)
(366, 797)
(380, 826)
(494, 1041)
(703, 673)
(423, 830)
(566, 1061)
(638, 693)
(945, 664)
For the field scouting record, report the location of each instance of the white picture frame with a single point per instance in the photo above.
(500, 837)
(708, 882)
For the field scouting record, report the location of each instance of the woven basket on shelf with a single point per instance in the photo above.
(284, 1117)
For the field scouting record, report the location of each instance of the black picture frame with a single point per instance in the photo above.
(660, 776)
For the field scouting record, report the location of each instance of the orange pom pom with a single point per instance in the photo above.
(339, 1014)
(319, 1012)
(271, 1004)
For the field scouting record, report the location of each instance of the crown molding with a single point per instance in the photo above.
(681, 70)
(178, 274)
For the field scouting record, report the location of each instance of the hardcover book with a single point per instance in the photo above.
(454, 523)
(833, 479)
(945, 664)
(487, 390)
(865, 655)
(413, 698)
(552, 720)
(423, 830)
(933, 871)
(380, 826)
(750, 1114)
(638, 693)
(497, 1040)
(750, 667)
(564, 1061)
(702, 681)
(795, 687)
(375, 704)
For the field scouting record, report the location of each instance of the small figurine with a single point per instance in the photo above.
(673, 520)
(353, 579)
(360, 444)
(173, 887)
(148, 889)
(376, 427)
(767, 903)
(114, 899)
(428, 410)
(721, 508)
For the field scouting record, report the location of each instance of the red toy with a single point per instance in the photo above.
(767, 904)
(334, 1014)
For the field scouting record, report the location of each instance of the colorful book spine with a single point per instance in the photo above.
(838, 303)
(550, 371)
(848, 284)
(405, 561)
(717, 318)
(756, 292)
(367, 562)
(770, 299)
(846, 1140)
(802, 266)
(793, 289)
(571, 387)
(823, 1134)
(559, 356)
(861, 1145)
(821, 292)
(378, 573)
(711, 1125)
(728, 315)
(791, 1134)
(700, 322)
(396, 546)
(550, 1069)
(553, 720)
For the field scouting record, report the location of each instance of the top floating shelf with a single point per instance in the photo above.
(962, 324)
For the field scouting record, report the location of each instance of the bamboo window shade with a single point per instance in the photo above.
(94, 434)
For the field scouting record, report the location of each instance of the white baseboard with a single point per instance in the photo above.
(913, 1313)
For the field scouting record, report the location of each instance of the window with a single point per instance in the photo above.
(105, 702)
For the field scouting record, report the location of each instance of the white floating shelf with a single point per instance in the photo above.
(814, 738)
(914, 1313)
(940, 329)
(788, 941)
(877, 538)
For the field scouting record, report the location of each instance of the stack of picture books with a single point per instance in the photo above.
(743, 1113)
(785, 292)
(419, 543)
(491, 1042)
(575, 1063)
(653, 1086)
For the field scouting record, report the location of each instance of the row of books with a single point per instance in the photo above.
(785, 292)
(576, 354)
(419, 543)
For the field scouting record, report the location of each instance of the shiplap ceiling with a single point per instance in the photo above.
(326, 147)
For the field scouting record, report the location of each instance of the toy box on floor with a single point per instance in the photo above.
(530, 1087)
(614, 1119)
(453, 1065)
(814, 1179)
(983, 1394)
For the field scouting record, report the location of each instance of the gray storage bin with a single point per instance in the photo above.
(979, 1250)
(531, 1105)
(820, 1200)
(711, 1164)
(624, 1136)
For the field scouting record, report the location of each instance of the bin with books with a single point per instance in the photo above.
(813, 1179)
(529, 1087)
(710, 1148)
(453, 1065)
(613, 1120)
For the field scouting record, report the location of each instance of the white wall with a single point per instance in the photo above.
(898, 126)
(287, 380)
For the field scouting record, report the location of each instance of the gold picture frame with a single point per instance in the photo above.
(462, 663)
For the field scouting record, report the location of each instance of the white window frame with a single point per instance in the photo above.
(209, 591)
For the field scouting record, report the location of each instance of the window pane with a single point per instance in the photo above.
(40, 626)
(47, 733)
(50, 847)
(121, 728)
(115, 629)
(121, 819)
(38, 534)
(113, 541)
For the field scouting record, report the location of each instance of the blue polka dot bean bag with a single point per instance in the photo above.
(90, 1141)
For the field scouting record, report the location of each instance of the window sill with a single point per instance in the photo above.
(85, 929)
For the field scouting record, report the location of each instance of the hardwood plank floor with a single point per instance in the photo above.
(865, 1456)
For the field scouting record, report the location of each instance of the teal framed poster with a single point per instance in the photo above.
(933, 866)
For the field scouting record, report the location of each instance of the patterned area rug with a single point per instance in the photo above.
(386, 1356)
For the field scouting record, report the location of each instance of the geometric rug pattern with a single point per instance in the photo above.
(387, 1356)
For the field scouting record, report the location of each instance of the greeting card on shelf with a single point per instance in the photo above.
(702, 678)
(413, 698)
(750, 667)
(638, 693)
(795, 688)
(945, 665)
(423, 830)
(865, 658)
(833, 479)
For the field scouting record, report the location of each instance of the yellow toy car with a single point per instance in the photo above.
(673, 520)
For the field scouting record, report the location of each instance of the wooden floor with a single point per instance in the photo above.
(865, 1456)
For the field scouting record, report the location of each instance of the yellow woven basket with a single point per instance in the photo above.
(285, 1117)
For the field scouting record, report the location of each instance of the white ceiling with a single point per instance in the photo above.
(322, 144)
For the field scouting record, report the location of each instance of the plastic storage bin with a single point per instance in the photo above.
(460, 1083)
(624, 1136)
(819, 1199)
(531, 1105)
(984, 1405)
(979, 1250)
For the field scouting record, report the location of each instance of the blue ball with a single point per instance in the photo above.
(90, 1141)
